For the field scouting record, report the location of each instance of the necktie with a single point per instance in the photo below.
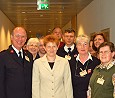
(20, 57)
(69, 52)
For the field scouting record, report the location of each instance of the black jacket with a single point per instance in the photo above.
(80, 84)
(15, 76)
(61, 52)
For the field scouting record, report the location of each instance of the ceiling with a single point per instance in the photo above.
(24, 13)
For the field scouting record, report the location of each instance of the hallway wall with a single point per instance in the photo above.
(98, 15)
(6, 27)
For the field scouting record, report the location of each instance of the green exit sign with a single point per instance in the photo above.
(43, 7)
(44, 0)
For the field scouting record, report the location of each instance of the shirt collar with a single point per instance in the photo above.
(17, 51)
(108, 66)
(89, 57)
(66, 48)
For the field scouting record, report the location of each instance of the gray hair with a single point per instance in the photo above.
(82, 37)
(36, 40)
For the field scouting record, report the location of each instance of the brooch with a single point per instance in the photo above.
(27, 58)
(68, 57)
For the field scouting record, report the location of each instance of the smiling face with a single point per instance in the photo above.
(18, 37)
(41, 46)
(33, 48)
(98, 40)
(105, 54)
(82, 44)
(82, 47)
(51, 49)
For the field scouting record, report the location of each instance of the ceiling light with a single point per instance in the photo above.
(23, 12)
(60, 12)
(25, 19)
(41, 15)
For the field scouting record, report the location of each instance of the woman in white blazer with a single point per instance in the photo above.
(51, 73)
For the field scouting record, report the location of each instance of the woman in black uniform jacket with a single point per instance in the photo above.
(83, 67)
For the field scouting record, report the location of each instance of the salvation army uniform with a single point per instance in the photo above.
(69, 53)
(81, 74)
(15, 75)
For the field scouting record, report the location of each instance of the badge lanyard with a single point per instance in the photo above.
(83, 72)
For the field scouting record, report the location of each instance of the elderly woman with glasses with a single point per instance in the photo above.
(32, 47)
(102, 81)
(83, 68)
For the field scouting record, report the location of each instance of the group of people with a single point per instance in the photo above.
(50, 68)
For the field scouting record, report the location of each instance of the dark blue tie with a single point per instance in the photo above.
(20, 57)
(69, 52)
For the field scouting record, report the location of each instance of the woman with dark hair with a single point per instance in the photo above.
(98, 39)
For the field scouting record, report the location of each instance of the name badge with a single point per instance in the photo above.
(100, 81)
(68, 57)
(83, 73)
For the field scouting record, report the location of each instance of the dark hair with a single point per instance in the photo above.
(50, 38)
(70, 30)
(110, 44)
(93, 37)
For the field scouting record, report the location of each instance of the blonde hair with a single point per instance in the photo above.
(35, 40)
(82, 37)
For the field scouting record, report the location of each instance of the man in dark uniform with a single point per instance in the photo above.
(68, 50)
(16, 68)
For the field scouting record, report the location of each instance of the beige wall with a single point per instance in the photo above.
(6, 27)
(68, 25)
(74, 23)
(71, 24)
(98, 15)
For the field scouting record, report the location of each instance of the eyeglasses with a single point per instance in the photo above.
(83, 44)
(104, 52)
